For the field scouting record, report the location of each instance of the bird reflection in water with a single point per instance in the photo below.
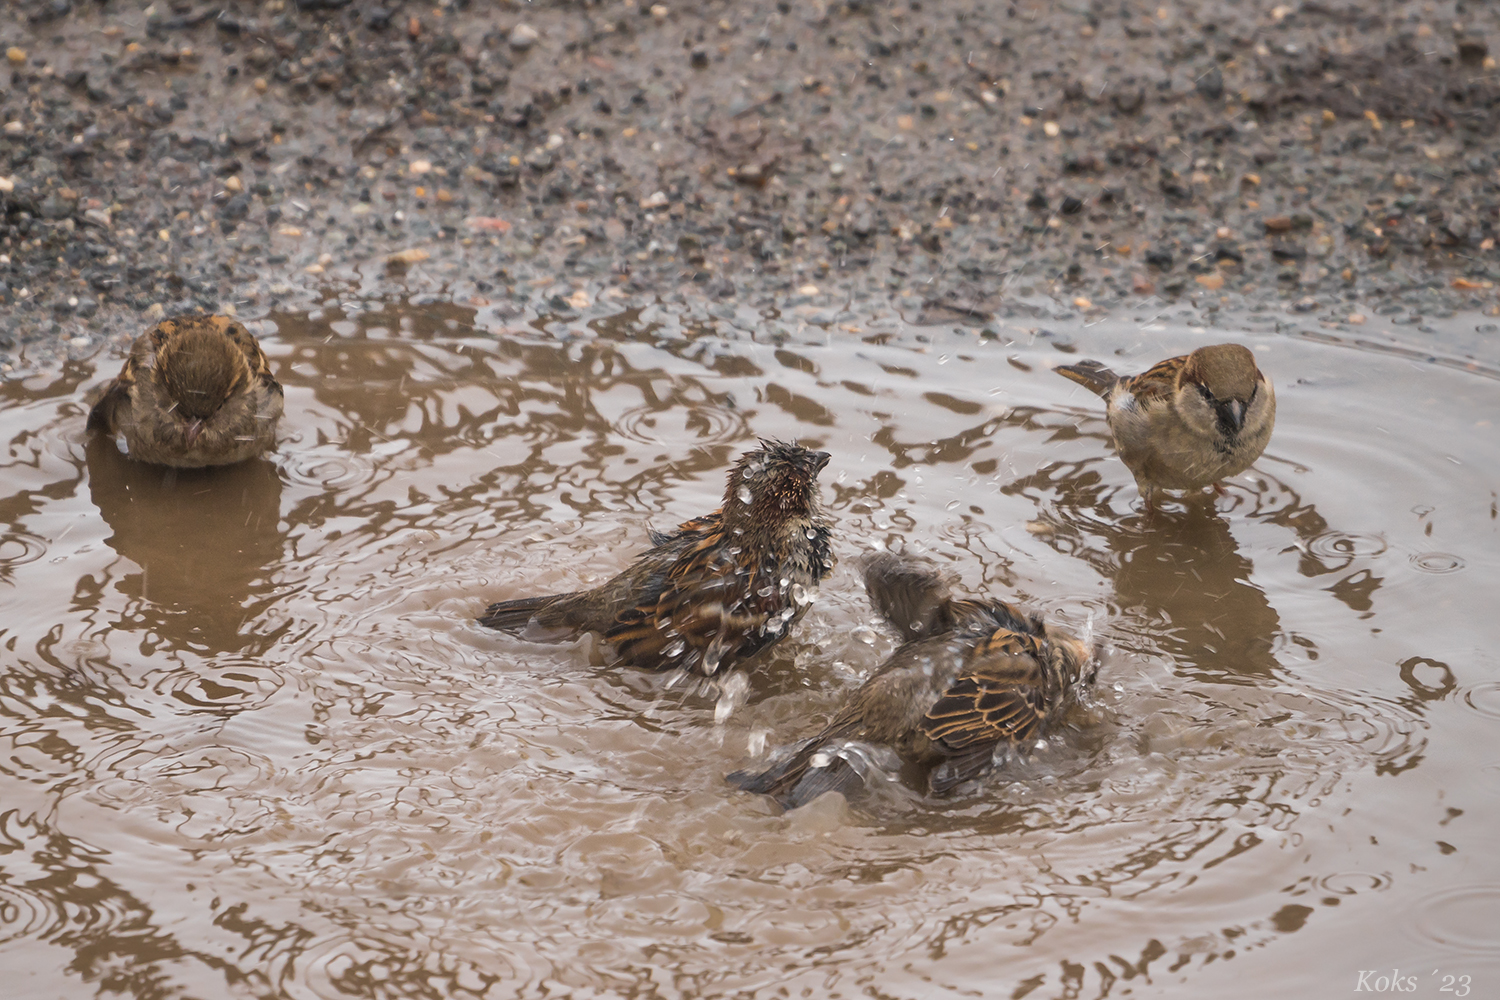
(1181, 583)
(205, 542)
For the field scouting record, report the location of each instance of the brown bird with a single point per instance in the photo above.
(715, 592)
(195, 391)
(1186, 422)
(973, 678)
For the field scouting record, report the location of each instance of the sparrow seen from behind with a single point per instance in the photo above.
(973, 679)
(1186, 422)
(195, 391)
(713, 593)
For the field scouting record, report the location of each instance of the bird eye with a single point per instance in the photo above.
(1203, 391)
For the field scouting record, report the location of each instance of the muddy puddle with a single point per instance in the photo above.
(254, 744)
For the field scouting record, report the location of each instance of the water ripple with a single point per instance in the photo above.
(1437, 562)
(1464, 919)
(1345, 545)
(683, 426)
(1484, 699)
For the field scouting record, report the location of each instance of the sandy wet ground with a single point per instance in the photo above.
(950, 160)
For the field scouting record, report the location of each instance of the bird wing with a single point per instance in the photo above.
(1159, 381)
(115, 401)
(260, 365)
(702, 612)
(998, 698)
(112, 402)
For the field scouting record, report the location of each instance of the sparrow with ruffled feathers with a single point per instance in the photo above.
(1186, 422)
(195, 391)
(713, 593)
(972, 677)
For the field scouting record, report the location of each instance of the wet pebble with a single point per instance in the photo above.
(523, 37)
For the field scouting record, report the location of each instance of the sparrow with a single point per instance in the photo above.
(972, 679)
(715, 592)
(195, 391)
(1186, 422)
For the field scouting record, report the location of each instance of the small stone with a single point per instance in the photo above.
(1472, 49)
(1159, 258)
(656, 200)
(14, 128)
(523, 37)
(1052, 129)
(1305, 304)
(16, 55)
(401, 258)
(419, 167)
(236, 208)
(1142, 285)
(659, 11)
(539, 160)
(56, 207)
(1277, 224)
(98, 217)
(1213, 282)
(377, 19)
(1357, 319)
(699, 58)
(1070, 206)
(234, 184)
(836, 170)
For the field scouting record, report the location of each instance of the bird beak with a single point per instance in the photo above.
(1235, 411)
(193, 430)
(820, 461)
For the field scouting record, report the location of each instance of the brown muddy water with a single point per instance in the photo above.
(254, 744)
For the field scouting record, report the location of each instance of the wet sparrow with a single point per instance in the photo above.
(973, 679)
(195, 391)
(719, 589)
(1186, 422)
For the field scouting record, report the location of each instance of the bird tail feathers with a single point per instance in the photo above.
(514, 616)
(1092, 375)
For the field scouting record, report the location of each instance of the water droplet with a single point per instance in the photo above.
(732, 694)
(744, 495)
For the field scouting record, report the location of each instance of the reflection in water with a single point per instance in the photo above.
(1184, 581)
(1181, 584)
(252, 744)
(203, 543)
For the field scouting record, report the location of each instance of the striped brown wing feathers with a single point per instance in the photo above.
(679, 624)
(998, 698)
(260, 365)
(1159, 381)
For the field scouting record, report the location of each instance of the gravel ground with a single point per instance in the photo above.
(955, 160)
